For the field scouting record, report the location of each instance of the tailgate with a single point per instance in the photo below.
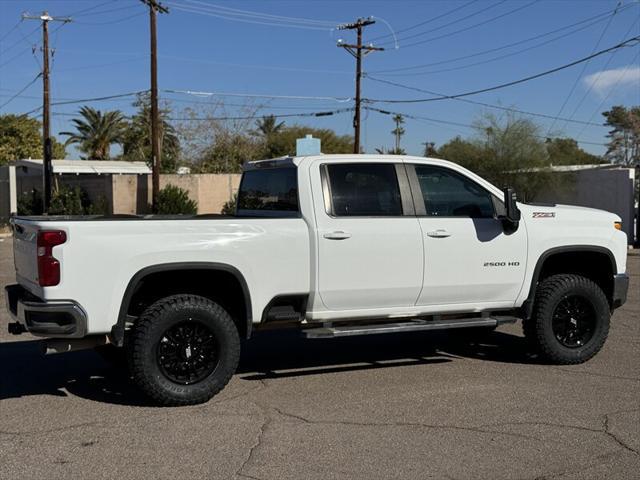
(24, 252)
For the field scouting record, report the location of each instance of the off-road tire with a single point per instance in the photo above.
(150, 328)
(539, 332)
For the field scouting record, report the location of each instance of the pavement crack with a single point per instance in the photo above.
(614, 437)
(402, 424)
(268, 419)
(595, 374)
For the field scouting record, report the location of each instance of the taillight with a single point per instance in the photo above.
(48, 266)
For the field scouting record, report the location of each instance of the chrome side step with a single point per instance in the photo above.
(409, 326)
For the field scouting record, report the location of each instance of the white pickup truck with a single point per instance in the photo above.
(331, 245)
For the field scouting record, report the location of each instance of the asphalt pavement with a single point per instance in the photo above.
(404, 406)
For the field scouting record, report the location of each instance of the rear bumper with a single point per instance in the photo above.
(64, 318)
(620, 289)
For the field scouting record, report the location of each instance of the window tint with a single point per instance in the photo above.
(364, 189)
(449, 194)
(269, 192)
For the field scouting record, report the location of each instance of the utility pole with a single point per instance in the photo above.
(47, 153)
(154, 6)
(357, 51)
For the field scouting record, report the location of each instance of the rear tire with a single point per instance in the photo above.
(184, 350)
(570, 320)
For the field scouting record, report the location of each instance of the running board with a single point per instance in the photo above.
(410, 326)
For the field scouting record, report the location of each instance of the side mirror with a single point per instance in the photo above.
(512, 216)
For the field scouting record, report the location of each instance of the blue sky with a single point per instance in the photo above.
(104, 51)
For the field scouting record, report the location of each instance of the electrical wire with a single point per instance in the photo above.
(484, 104)
(426, 22)
(20, 91)
(257, 95)
(470, 27)
(459, 124)
(220, 14)
(471, 15)
(584, 68)
(521, 80)
(598, 109)
(10, 30)
(267, 16)
(589, 21)
(604, 68)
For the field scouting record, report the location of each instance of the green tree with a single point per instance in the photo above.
(96, 132)
(624, 143)
(505, 152)
(284, 142)
(136, 140)
(20, 137)
(267, 126)
(430, 150)
(565, 151)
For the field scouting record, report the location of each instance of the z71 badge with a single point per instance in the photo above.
(544, 214)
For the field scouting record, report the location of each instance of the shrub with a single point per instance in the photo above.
(229, 208)
(64, 201)
(68, 201)
(30, 203)
(174, 200)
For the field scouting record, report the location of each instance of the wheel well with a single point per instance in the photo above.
(222, 286)
(595, 265)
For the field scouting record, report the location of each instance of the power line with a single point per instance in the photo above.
(10, 30)
(604, 68)
(583, 69)
(112, 22)
(484, 104)
(522, 80)
(612, 89)
(594, 20)
(459, 124)
(89, 100)
(257, 95)
(212, 12)
(470, 27)
(20, 91)
(458, 20)
(251, 13)
(430, 20)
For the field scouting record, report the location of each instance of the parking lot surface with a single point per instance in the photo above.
(405, 406)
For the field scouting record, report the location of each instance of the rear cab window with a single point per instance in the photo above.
(363, 189)
(269, 192)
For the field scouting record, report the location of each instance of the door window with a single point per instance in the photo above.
(364, 189)
(448, 194)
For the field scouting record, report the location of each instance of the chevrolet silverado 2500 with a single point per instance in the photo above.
(331, 245)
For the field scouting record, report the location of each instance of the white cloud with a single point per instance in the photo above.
(622, 78)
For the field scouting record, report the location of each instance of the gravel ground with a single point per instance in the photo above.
(402, 406)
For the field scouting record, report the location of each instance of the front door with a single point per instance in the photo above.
(369, 240)
(469, 257)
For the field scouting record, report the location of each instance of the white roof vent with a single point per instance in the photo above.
(307, 146)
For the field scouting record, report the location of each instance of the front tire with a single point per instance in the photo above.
(570, 321)
(184, 350)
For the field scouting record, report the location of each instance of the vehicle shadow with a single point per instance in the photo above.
(25, 371)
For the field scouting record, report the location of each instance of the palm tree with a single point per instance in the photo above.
(398, 131)
(96, 132)
(267, 126)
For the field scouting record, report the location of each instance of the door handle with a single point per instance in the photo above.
(439, 233)
(337, 235)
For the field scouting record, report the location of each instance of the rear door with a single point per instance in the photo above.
(469, 258)
(369, 240)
